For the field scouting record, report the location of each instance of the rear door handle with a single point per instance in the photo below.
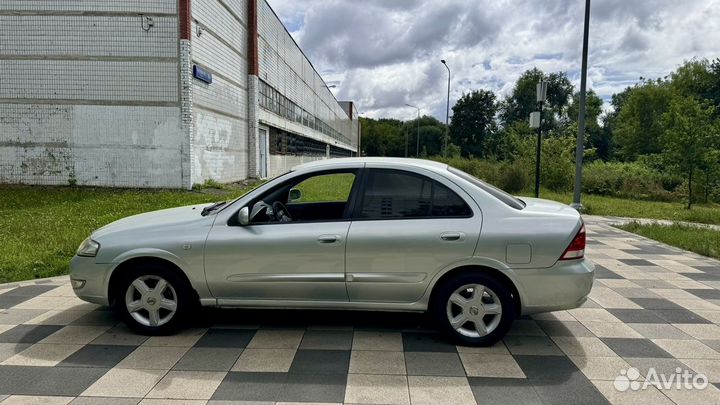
(451, 236)
(328, 238)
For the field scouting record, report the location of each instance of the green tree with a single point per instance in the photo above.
(473, 122)
(638, 128)
(522, 100)
(691, 138)
(382, 137)
(595, 135)
(610, 119)
(698, 78)
(431, 131)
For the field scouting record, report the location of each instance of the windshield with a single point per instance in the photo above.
(508, 199)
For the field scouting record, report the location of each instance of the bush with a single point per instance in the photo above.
(635, 180)
(513, 178)
(487, 170)
(628, 180)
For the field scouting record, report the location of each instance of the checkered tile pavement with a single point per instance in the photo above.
(652, 306)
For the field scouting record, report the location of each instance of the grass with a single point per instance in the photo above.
(703, 241)
(41, 227)
(619, 207)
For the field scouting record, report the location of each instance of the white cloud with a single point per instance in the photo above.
(385, 53)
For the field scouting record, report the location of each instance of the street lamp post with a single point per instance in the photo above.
(417, 147)
(579, 150)
(447, 111)
(536, 120)
(406, 141)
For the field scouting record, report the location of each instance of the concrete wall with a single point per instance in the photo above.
(279, 164)
(89, 96)
(220, 109)
(284, 67)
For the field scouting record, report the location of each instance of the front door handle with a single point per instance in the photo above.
(451, 236)
(328, 238)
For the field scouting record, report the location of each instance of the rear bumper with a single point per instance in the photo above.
(95, 279)
(565, 285)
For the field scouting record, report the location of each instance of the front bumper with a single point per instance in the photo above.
(95, 277)
(565, 285)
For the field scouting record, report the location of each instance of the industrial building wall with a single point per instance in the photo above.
(354, 123)
(89, 93)
(220, 109)
(285, 68)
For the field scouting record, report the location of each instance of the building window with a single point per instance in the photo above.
(271, 100)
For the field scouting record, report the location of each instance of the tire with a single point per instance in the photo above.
(495, 315)
(151, 312)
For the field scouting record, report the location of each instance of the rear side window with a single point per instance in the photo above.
(395, 194)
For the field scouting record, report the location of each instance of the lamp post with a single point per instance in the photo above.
(417, 147)
(447, 111)
(406, 142)
(536, 122)
(579, 150)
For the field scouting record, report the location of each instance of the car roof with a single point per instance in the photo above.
(342, 162)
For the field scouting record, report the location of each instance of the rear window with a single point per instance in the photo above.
(508, 199)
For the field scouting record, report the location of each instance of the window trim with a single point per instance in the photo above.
(361, 197)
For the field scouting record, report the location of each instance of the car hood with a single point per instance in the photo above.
(166, 217)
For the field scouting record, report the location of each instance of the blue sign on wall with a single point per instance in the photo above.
(202, 74)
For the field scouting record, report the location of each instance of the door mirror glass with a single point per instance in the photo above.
(243, 216)
(294, 195)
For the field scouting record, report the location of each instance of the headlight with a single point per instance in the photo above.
(88, 248)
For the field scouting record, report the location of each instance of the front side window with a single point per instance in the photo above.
(395, 194)
(325, 188)
(317, 198)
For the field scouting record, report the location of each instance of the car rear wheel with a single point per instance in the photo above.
(153, 300)
(474, 309)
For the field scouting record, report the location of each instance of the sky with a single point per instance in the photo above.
(384, 54)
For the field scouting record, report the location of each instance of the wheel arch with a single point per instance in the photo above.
(475, 268)
(132, 262)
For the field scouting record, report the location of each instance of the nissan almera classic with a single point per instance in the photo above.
(353, 233)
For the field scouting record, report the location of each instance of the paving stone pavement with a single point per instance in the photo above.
(651, 306)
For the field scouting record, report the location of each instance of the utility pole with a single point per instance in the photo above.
(417, 147)
(406, 141)
(447, 111)
(580, 149)
(536, 122)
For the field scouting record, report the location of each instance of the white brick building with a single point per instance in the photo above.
(159, 93)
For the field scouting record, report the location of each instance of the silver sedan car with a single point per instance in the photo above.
(354, 233)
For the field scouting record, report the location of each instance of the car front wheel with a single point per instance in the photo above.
(153, 300)
(474, 309)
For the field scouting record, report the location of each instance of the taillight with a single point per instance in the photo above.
(576, 249)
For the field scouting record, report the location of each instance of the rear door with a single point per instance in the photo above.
(406, 227)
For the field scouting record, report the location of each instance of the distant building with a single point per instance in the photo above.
(159, 93)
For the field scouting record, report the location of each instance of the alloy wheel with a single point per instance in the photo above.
(151, 300)
(474, 310)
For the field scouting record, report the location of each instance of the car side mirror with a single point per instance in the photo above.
(294, 194)
(243, 216)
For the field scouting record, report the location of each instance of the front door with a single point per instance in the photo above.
(263, 148)
(407, 227)
(295, 257)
